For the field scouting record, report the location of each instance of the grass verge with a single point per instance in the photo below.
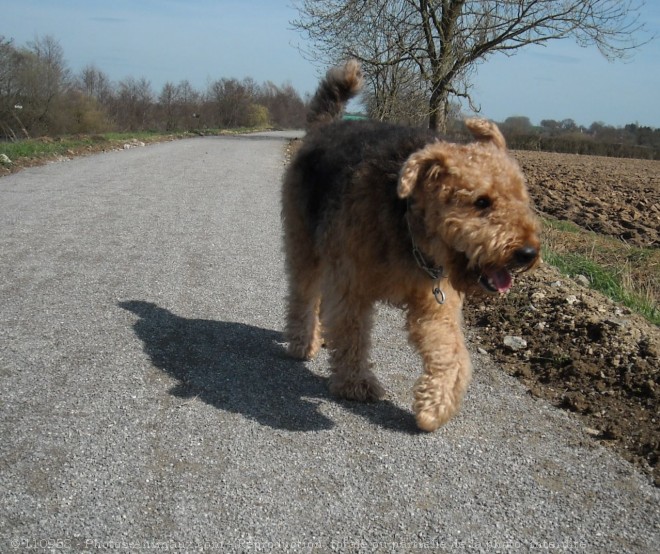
(24, 152)
(628, 275)
(29, 152)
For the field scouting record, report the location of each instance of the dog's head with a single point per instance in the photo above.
(472, 208)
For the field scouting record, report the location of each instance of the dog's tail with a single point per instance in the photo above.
(339, 86)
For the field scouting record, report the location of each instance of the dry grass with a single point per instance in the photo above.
(627, 274)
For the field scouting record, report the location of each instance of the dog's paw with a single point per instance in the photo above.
(363, 387)
(301, 350)
(433, 406)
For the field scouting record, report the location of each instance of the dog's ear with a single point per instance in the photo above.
(485, 131)
(429, 163)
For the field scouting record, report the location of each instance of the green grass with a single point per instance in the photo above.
(34, 149)
(139, 135)
(41, 148)
(45, 147)
(31, 149)
(563, 226)
(618, 280)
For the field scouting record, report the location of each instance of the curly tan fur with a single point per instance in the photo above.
(356, 200)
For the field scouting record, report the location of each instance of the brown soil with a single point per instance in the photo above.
(611, 196)
(581, 351)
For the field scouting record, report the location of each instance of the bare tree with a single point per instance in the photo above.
(38, 95)
(169, 103)
(285, 107)
(442, 41)
(516, 125)
(178, 106)
(231, 100)
(10, 91)
(133, 104)
(41, 80)
(396, 94)
(96, 84)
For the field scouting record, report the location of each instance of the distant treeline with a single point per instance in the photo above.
(40, 96)
(631, 141)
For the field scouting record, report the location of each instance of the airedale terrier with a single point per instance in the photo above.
(380, 212)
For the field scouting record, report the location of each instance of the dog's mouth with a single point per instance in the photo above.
(496, 280)
(499, 278)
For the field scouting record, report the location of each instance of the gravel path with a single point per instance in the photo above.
(146, 403)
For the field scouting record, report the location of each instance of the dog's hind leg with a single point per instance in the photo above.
(303, 268)
(436, 333)
(347, 320)
(303, 328)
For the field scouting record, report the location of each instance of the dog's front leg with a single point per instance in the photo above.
(435, 330)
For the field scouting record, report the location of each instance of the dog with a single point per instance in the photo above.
(380, 212)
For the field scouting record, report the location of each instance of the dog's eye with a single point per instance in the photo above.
(482, 202)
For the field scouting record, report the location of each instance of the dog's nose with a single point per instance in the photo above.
(525, 255)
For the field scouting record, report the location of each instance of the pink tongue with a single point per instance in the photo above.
(500, 278)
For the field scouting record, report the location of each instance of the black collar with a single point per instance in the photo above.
(433, 271)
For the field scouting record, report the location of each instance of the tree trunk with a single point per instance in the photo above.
(438, 108)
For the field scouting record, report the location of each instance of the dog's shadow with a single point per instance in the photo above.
(244, 369)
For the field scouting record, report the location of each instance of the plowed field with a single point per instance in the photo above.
(582, 351)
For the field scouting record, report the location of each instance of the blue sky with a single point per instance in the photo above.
(204, 40)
